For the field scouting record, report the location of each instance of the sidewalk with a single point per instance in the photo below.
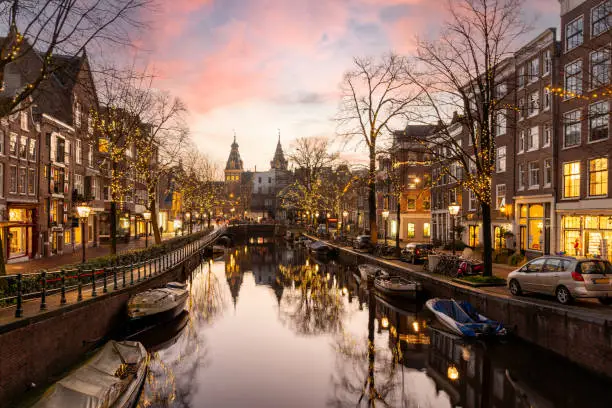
(55, 262)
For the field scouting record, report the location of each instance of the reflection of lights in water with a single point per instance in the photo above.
(246, 249)
(232, 260)
(415, 326)
(452, 373)
(344, 291)
(384, 322)
(465, 353)
(307, 263)
(327, 276)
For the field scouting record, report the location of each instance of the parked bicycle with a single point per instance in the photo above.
(448, 265)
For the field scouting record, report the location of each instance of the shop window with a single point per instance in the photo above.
(571, 180)
(598, 177)
(426, 230)
(523, 211)
(410, 230)
(574, 33)
(591, 222)
(605, 223)
(536, 211)
(571, 222)
(598, 121)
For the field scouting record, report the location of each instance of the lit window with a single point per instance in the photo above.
(598, 177)
(574, 33)
(426, 230)
(571, 180)
(601, 18)
(573, 78)
(572, 128)
(598, 121)
(410, 232)
(600, 68)
(500, 195)
(501, 159)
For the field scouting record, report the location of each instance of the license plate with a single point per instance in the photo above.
(601, 281)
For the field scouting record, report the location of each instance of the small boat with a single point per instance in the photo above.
(157, 305)
(113, 377)
(396, 286)
(176, 285)
(218, 249)
(372, 270)
(321, 248)
(461, 318)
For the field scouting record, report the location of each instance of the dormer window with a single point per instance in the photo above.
(23, 116)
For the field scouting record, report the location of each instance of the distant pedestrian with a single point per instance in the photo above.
(576, 246)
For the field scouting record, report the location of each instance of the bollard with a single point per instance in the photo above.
(138, 269)
(105, 289)
(63, 290)
(94, 293)
(123, 271)
(115, 278)
(19, 309)
(131, 274)
(43, 292)
(79, 287)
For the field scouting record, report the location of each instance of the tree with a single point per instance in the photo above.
(459, 71)
(375, 93)
(57, 28)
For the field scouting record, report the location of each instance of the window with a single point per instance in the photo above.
(601, 18)
(533, 69)
(89, 124)
(77, 114)
(547, 136)
(1, 179)
(521, 77)
(547, 172)
(598, 177)
(78, 184)
(31, 181)
(13, 179)
(547, 62)
(411, 204)
(598, 121)
(90, 162)
(522, 176)
(1, 141)
(67, 152)
(534, 174)
(426, 230)
(600, 68)
(32, 150)
(573, 79)
(471, 201)
(534, 103)
(23, 115)
(269, 180)
(521, 108)
(500, 195)
(501, 90)
(78, 152)
(500, 123)
(59, 151)
(410, 232)
(23, 147)
(572, 128)
(574, 34)
(533, 139)
(22, 180)
(571, 179)
(547, 99)
(501, 159)
(521, 142)
(13, 144)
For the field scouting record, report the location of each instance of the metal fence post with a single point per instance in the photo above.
(114, 278)
(93, 283)
(123, 270)
(131, 274)
(63, 290)
(138, 269)
(80, 286)
(19, 309)
(105, 289)
(43, 292)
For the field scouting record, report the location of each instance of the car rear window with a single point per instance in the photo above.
(594, 267)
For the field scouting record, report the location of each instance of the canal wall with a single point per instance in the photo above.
(35, 349)
(582, 336)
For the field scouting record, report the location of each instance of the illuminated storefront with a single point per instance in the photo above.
(534, 226)
(18, 232)
(587, 235)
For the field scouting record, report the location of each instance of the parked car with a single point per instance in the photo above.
(415, 251)
(564, 277)
(363, 242)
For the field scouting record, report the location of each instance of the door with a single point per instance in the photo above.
(530, 275)
(551, 273)
(523, 237)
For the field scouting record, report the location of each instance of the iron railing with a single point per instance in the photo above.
(19, 288)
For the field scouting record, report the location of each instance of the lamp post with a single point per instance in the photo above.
(83, 212)
(188, 218)
(344, 220)
(453, 210)
(147, 216)
(385, 215)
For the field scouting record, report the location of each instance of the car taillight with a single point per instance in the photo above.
(416, 251)
(577, 276)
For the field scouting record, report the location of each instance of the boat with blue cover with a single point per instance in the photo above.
(463, 319)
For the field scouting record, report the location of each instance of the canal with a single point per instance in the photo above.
(269, 326)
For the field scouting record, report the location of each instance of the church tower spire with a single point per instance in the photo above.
(279, 162)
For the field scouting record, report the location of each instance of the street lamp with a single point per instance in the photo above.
(83, 212)
(147, 216)
(344, 220)
(385, 215)
(188, 218)
(453, 210)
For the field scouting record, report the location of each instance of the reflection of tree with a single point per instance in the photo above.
(314, 304)
(206, 300)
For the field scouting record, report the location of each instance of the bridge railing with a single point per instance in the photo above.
(91, 282)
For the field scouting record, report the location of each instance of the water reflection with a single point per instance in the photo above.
(301, 332)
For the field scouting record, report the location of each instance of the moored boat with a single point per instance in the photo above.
(321, 248)
(176, 285)
(157, 305)
(113, 377)
(396, 286)
(462, 318)
(371, 270)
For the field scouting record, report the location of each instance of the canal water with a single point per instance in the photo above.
(269, 326)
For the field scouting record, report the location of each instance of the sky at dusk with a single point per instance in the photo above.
(255, 66)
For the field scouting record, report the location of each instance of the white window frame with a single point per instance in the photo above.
(548, 181)
(578, 121)
(530, 171)
(23, 117)
(500, 166)
(533, 138)
(591, 22)
(565, 37)
(16, 137)
(497, 195)
(588, 178)
(521, 77)
(579, 82)
(78, 152)
(546, 129)
(534, 76)
(501, 123)
(592, 76)
(546, 99)
(547, 67)
(564, 196)
(521, 170)
(522, 141)
(533, 106)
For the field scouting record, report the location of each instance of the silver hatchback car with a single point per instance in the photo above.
(564, 277)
